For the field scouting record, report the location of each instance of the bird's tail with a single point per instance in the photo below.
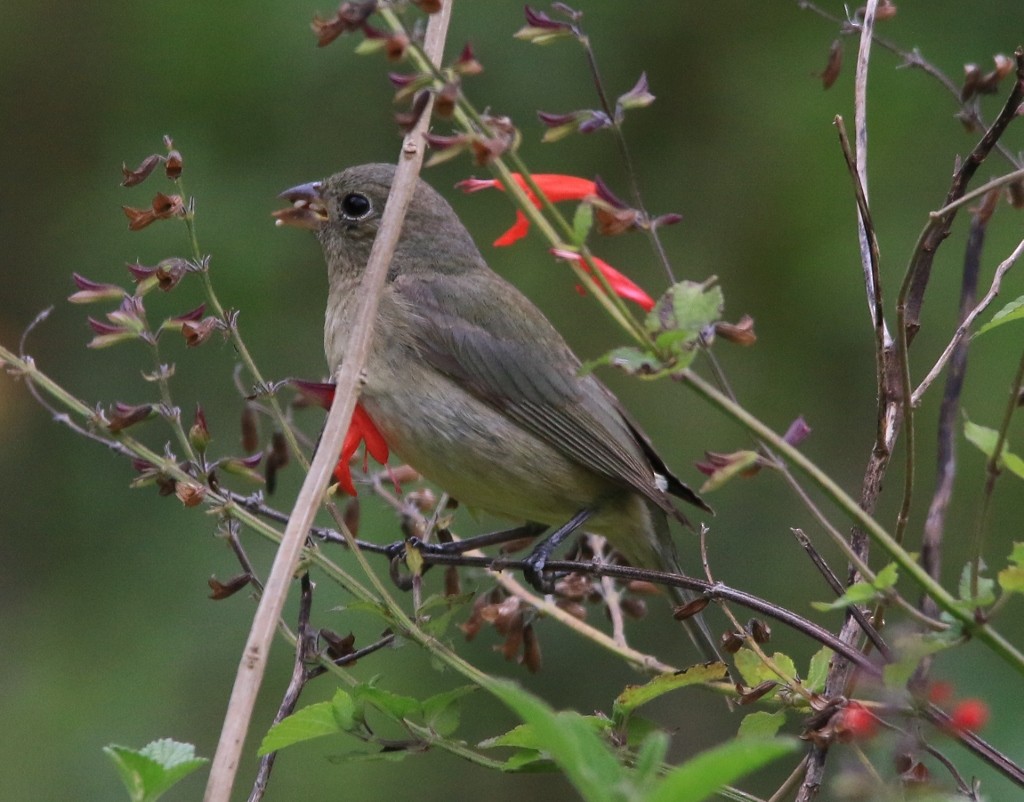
(696, 626)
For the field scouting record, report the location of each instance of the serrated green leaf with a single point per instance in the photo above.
(1017, 555)
(910, 650)
(986, 594)
(629, 359)
(310, 722)
(571, 741)
(1013, 464)
(636, 695)
(701, 776)
(887, 577)
(441, 711)
(754, 671)
(396, 705)
(371, 756)
(346, 713)
(985, 439)
(1012, 311)
(1011, 579)
(687, 306)
(981, 436)
(148, 772)
(582, 220)
(857, 593)
(761, 724)
(650, 757)
(817, 671)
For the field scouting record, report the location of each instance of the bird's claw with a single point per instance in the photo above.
(534, 572)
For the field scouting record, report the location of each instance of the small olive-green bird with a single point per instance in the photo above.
(471, 385)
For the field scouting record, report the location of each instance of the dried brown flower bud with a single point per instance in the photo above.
(189, 493)
(141, 173)
(222, 590)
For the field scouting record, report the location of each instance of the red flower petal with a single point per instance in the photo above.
(517, 232)
(620, 284)
(361, 430)
(556, 188)
(371, 436)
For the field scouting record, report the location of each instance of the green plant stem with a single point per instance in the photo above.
(627, 160)
(26, 368)
(983, 631)
(168, 402)
(472, 122)
(992, 471)
(236, 338)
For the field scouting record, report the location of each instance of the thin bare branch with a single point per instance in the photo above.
(254, 658)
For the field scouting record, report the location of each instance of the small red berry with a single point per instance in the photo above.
(857, 722)
(970, 714)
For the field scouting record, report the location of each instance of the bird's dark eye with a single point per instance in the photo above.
(355, 206)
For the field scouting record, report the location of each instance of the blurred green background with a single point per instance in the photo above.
(107, 634)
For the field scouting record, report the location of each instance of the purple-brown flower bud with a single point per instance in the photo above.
(199, 434)
(222, 590)
(91, 291)
(141, 173)
(126, 415)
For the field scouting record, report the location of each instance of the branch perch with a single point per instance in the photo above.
(254, 657)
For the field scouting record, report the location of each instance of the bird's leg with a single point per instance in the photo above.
(533, 570)
(462, 546)
(397, 550)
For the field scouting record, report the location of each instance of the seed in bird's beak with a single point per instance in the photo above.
(307, 209)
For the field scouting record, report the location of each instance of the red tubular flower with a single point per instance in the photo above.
(555, 187)
(361, 430)
(622, 286)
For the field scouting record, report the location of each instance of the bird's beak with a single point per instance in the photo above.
(307, 208)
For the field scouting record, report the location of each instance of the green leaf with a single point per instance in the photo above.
(817, 672)
(986, 594)
(148, 772)
(632, 360)
(310, 722)
(982, 437)
(571, 741)
(636, 695)
(393, 704)
(857, 593)
(1013, 463)
(441, 712)
(1012, 311)
(687, 306)
(887, 577)
(754, 671)
(684, 311)
(701, 776)
(761, 724)
(650, 757)
(1011, 579)
(582, 220)
(910, 650)
(985, 439)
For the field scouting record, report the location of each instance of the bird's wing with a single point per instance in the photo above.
(521, 366)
